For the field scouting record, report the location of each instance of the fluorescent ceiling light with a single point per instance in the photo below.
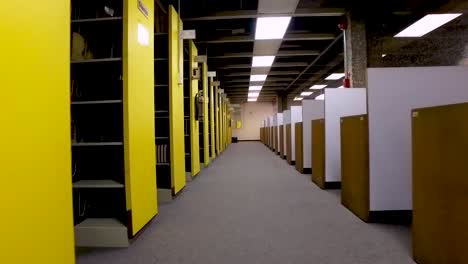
(271, 27)
(262, 61)
(298, 99)
(254, 94)
(252, 99)
(320, 97)
(255, 88)
(318, 86)
(258, 78)
(335, 76)
(426, 25)
(306, 93)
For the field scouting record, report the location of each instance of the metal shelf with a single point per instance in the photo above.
(97, 184)
(97, 144)
(163, 164)
(161, 85)
(97, 102)
(96, 60)
(99, 19)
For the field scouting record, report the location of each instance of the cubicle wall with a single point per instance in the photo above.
(392, 94)
(296, 117)
(318, 152)
(339, 103)
(279, 123)
(440, 184)
(299, 147)
(311, 109)
(274, 132)
(286, 122)
(355, 165)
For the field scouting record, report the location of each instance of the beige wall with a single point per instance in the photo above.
(252, 115)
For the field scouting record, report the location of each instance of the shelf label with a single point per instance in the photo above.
(188, 34)
(143, 9)
(211, 74)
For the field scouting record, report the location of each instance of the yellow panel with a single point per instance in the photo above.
(35, 152)
(212, 119)
(239, 124)
(440, 184)
(206, 151)
(194, 124)
(217, 119)
(176, 101)
(140, 153)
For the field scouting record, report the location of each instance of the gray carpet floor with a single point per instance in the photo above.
(250, 206)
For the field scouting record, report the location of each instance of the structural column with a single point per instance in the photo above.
(356, 50)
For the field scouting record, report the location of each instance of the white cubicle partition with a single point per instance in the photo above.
(279, 122)
(339, 103)
(273, 127)
(393, 93)
(296, 117)
(270, 135)
(311, 110)
(286, 121)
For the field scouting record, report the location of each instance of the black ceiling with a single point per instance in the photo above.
(302, 60)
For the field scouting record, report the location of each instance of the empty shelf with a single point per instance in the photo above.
(97, 184)
(100, 19)
(96, 60)
(97, 144)
(163, 164)
(161, 85)
(162, 137)
(97, 102)
(101, 232)
(161, 59)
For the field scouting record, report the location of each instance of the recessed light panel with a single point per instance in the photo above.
(254, 94)
(262, 61)
(255, 88)
(258, 78)
(426, 25)
(318, 86)
(306, 93)
(335, 76)
(271, 27)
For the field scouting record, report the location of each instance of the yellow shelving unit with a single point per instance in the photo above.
(192, 127)
(112, 110)
(35, 149)
(206, 117)
(212, 120)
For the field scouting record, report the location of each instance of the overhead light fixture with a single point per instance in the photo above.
(320, 97)
(298, 98)
(335, 76)
(255, 88)
(318, 86)
(271, 27)
(384, 55)
(252, 99)
(426, 25)
(254, 94)
(258, 78)
(262, 61)
(306, 93)
(341, 87)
